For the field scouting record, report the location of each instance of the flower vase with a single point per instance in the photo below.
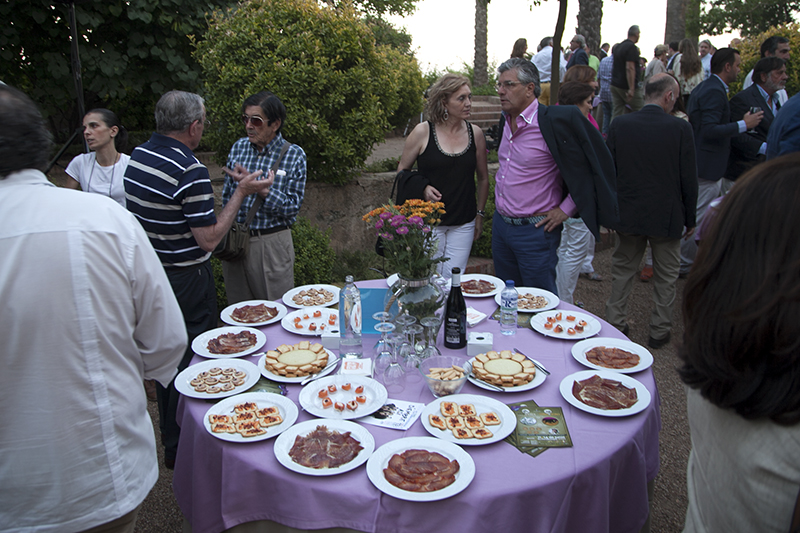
(421, 298)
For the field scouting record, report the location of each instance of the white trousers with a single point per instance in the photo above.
(577, 242)
(455, 242)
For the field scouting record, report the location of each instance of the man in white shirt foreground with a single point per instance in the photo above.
(87, 314)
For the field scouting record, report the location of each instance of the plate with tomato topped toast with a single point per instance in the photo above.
(312, 321)
(564, 324)
(343, 397)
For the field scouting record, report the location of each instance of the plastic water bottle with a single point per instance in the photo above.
(508, 309)
(350, 307)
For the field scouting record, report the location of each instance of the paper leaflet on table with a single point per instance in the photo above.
(538, 428)
(395, 414)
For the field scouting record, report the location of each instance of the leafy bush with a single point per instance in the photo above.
(750, 50)
(341, 91)
(483, 246)
(219, 283)
(313, 256)
(384, 165)
(361, 264)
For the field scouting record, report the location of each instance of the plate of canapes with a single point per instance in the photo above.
(250, 417)
(343, 397)
(569, 325)
(215, 379)
(311, 321)
(468, 419)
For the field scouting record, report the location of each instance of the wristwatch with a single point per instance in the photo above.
(481, 213)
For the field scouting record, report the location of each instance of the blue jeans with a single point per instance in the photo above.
(608, 111)
(526, 254)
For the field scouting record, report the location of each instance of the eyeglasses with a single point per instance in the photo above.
(256, 121)
(506, 85)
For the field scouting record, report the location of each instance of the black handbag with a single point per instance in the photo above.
(236, 242)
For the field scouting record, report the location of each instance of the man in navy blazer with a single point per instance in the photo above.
(657, 193)
(749, 148)
(710, 116)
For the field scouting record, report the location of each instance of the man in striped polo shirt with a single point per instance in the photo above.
(169, 191)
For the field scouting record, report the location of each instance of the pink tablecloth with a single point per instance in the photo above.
(599, 484)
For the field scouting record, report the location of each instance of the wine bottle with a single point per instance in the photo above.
(455, 325)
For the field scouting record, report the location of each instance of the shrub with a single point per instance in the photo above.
(313, 256)
(219, 283)
(483, 246)
(341, 91)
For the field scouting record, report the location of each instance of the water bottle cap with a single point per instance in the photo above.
(510, 283)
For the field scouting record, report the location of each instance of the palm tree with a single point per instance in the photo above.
(481, 67)
(590, 15)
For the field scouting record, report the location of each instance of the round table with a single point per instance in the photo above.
(599, 484)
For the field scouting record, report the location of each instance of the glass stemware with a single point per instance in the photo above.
(382, 317)
(383, 349)
(410, 354)
(431, 325)
(394, 376)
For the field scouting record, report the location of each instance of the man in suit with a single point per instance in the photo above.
(657, 193)
(784, 134)
(553, 164)
(749, 148)
(579, 55)
(710, 116)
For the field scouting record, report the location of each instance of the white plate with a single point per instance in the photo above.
(289, 324)
(287, 298)
(645, 357)
(552, 299)
(538, 379)
(225, 315)
(590, 330)
(182, 380)
(380, 460)
(283, 379)
(200, 343)
(286, 407)
(641, 391)
(284, 443)
(499, 284)
(483, 404)
(375, 392)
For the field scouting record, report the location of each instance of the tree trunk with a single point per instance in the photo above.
(481, 66)
(675, 29)
(590, 15)
(555, 66)
(692, 19)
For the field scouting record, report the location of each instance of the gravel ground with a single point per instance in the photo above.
(160, 512)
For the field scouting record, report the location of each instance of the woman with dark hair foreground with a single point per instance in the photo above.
(741, 357)
(102, 170)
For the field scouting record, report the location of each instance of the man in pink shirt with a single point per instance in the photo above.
(553, 165)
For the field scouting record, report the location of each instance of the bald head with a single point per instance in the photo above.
(662, 90)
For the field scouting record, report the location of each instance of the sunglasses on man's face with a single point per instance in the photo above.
(256, 121)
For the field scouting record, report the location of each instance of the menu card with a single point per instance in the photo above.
(395, 414)
(538, 428)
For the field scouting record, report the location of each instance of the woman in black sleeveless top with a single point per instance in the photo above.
(449, 151)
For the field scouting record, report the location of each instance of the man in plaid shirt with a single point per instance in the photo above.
(268, 270)
(604, 78)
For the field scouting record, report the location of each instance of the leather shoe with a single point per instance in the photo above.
(658, 343)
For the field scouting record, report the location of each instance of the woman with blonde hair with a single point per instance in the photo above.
(449, 152)
(688, 69)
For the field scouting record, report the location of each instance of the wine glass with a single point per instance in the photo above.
(382, 317)
(383, 349)
(754, 109)
(404, 321)
(410, 353)
(431, 325)
(394, 376)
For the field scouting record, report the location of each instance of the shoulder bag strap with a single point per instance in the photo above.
(260, 199)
